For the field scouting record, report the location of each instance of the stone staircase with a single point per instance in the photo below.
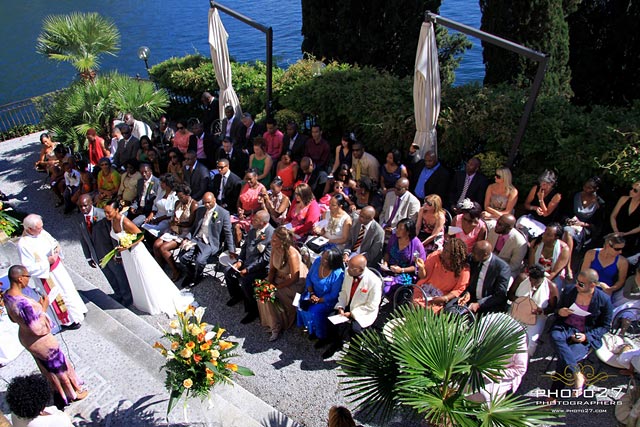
(113, 354)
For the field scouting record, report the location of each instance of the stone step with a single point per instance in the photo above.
(134, 337)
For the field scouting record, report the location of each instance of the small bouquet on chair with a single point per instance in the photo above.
(126, 241)
(264, 291)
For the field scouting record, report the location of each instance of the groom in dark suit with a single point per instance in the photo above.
(490, 276)
(96, 243)
(211, 221)
(251, 264)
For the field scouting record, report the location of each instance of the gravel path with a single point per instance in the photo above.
(290, 374)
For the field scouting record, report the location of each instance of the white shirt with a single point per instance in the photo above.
(481, 276)
(140, 128)
(55, 418)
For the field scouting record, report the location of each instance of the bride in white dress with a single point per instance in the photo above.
(152, 290)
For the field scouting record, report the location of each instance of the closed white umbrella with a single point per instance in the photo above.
(222, 66)
(426, 90)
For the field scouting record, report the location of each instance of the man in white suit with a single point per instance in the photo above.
(398, 204)
(508, 243)
(358, 301)
(366, 237)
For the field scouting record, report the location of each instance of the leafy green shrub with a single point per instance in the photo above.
(189, 75)
(19, 130)
(285, 116)
(377, 106)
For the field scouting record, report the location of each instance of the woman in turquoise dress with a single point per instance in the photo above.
(261, 161)
(324, 282)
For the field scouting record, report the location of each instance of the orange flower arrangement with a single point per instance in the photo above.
(197, 359)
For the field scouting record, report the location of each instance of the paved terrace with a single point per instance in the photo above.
(112, 352)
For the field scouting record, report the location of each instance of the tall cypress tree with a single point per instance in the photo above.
(378, 33)
(536, 24)
(605, 51)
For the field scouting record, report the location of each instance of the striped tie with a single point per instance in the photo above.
(359, 239)
(465, 188)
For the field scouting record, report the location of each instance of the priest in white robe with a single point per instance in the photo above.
(40, 254)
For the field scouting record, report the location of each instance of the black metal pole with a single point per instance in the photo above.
(539, 57)
(269, 70)
(268, 31)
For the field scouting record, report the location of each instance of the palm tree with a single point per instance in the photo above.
(432, 364)
(79, 38)
(83, 106)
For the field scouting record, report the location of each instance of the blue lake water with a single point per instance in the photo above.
(169, 28)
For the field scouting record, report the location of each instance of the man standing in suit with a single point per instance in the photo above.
(128, 146)
(433, 178)
(147, 190)
(294, 142)
(490, 278)
(398, 204)
(210, 114)
(196, 175)
(96, 243)
(138, 127)
(252, 263)
(238, 159)
(317, 148)
(204, 145)
(210, 222)
(358, 301)
(231, 125)
(366, 238)
(226, 186)
(470, 184)
(250, 129)
(508, 242)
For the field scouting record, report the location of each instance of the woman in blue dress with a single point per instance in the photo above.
(324, 282)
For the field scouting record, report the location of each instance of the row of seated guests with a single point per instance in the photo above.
(324, 287)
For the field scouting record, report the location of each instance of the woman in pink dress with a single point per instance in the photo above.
(248, 204)
(35, 335)
(304, 211)
(181, 140)
(472, 227)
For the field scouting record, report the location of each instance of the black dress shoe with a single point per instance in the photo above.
(322, 343)
(233, 301)
(332, 350)
(249, 318)
(71, 327)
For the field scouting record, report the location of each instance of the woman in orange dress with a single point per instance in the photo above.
(287, 170)
(444, 275)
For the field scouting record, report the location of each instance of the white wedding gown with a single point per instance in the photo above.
(152, 290)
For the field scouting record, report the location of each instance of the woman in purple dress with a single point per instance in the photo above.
(35, 335)
(400, 259)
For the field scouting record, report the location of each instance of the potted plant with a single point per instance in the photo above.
(431, 364)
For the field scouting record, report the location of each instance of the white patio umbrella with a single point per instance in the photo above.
(426, 90)
(222, 66)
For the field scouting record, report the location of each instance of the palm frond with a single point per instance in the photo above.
(509, 411)
(496, 338)
(372, 373)
(78, 38)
